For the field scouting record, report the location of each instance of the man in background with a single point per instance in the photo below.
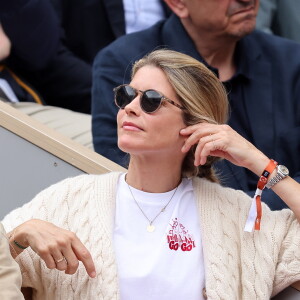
(260, 72)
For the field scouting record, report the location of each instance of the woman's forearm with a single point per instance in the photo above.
(288, 190)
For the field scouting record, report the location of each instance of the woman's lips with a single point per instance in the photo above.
(131, 126)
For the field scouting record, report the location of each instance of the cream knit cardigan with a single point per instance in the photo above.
(238, 265)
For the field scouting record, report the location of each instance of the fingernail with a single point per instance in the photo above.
(93, 274)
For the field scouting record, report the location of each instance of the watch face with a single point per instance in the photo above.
(284, 170)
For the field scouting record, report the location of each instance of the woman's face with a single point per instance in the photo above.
(157, 133)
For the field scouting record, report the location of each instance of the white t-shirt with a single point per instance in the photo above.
(164, 264)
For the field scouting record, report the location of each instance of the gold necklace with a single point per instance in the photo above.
(151, 227)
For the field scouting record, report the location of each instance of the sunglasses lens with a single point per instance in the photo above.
(124, 95)
(150, 101)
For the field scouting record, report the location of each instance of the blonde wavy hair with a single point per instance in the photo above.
(200, 92)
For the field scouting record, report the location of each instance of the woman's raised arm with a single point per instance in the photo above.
(222, 141)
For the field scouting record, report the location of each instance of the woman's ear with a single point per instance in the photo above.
(178, 7)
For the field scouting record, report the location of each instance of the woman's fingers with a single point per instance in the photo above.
(202, 136)
(196, 132)
(59, 248)
(213, 140)
(71, 261)
(198, 161)
(61, 262)
(47, 258)
(71, 251)
(85, 257)
(66, 257)
(222, 141)
(190, 129)
(205, 147)
(193, 139)
(52, 253)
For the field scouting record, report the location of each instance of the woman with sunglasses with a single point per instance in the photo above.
(166, 229)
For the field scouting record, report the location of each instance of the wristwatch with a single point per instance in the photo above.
(282, 172)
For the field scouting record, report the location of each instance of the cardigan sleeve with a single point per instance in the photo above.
(277, 248)
(49, 205)
(257, 264)
(270, 257)
(10, 276)
(288, 265)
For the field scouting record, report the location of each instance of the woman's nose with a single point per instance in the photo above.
(134, 106)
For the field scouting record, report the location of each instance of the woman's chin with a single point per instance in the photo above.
(127, 146)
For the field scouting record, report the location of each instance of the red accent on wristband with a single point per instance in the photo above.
(261, 185)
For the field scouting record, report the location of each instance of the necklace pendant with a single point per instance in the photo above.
(150, 228)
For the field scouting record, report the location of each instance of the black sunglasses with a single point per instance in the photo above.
(150, 100)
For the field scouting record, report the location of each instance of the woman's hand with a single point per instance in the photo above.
(222, 141)
(59, 248)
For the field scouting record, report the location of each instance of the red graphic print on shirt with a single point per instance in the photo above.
(178, 237)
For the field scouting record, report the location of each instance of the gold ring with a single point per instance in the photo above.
(60, 260)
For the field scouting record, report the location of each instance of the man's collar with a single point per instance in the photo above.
(247, 55)
(175, 36)
(243, 60)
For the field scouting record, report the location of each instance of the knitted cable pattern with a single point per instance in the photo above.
(84, 205)
(238, 265)
(242, 265)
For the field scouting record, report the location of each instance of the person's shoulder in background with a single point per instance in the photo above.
(27, 23)
(280, 17)
(10, 275)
